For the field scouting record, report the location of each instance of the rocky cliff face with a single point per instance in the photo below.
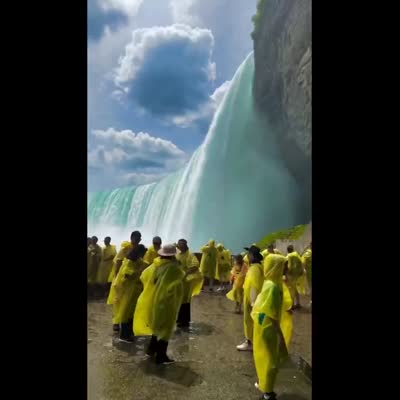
(282, 87)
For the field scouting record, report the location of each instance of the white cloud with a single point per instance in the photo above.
(230, 23)
(206, 111)
(140, 142)
(146, 39)
(129, 7)
(127, 158)
(182, 12)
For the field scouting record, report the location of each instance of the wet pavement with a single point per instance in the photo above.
(302, 334)
(208, 365)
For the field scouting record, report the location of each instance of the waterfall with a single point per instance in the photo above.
(235, 188)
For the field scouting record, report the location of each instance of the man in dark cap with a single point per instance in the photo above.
(252, 287)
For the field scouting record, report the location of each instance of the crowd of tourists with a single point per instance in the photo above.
(151, 290)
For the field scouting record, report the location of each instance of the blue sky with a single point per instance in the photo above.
(157, 71)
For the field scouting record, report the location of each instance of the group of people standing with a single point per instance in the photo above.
(152, 288)
(268, 285)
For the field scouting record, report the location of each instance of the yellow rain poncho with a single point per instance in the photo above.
(287, 315)
(126, 247)
(267, 309)
(307, 260)
(295, 271)
(107, 262)
(127, 288)
(273, 271)
(192, 282)
(158, 305)
(143, 312)
(151, 255)
(301, 285)
(208, 263)
(94, 258)
(236, 294)
(266, 252)
(224, 264)
(254, 280)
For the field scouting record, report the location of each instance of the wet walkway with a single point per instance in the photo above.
(301, 340)
(208, 365)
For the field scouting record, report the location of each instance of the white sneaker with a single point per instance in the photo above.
(245, 346)
(125, 340)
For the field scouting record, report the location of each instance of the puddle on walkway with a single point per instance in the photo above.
(208, 365)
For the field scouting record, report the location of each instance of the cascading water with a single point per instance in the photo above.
(235, 188)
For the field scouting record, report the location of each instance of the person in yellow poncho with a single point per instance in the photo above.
(269, 342)
(126, 248)
(158, 306)
(208, 264)
(277, 271)
(224, 267)
(192, 282)
(287, 312)
(95, 253)
(307, 261)
(252, 287)
(246, 255)
(127, 290)
(106, 264)
(295, 271)
(152, 252)
(238, 272)
(270, 250)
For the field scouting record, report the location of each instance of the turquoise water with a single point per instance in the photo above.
(235, 188)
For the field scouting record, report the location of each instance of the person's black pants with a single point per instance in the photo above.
(157, 348)
(126, 331)
(161, 354)
(184, 315)
(152, 347)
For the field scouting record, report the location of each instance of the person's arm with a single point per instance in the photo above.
(119, 259)
(110, 258)
(278, 329)
(118, 264)
(194, 265)
(99, 253)
(253, 296)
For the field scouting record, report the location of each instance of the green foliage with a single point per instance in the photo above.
(257, 18)
(289, 234)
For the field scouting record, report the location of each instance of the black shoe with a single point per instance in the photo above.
(116, 328)
(165, 361)
(161, 356)
(268, 396)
